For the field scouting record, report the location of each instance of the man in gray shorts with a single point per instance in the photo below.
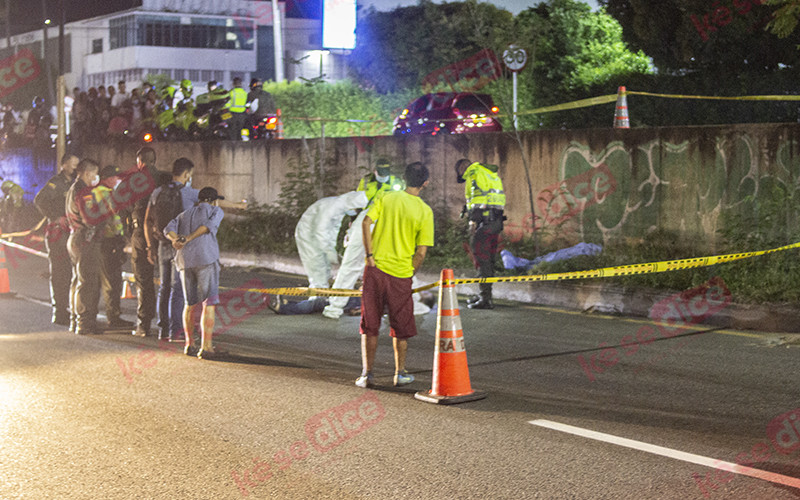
(193, 233)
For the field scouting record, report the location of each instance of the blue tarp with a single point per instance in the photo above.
(511, 262)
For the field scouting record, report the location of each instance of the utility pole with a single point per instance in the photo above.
(277, 38)
(61, 139)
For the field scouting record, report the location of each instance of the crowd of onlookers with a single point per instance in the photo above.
(92, 115)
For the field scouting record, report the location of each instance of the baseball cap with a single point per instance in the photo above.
(209, 194)
(109, 171)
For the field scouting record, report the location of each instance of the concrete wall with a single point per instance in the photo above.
(619, 183)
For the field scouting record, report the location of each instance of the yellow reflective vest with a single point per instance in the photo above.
(238, 100)
(483, 189)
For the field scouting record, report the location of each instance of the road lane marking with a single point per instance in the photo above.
(670, 453)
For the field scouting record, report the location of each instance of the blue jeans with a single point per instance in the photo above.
(312, 306)
(170, 291)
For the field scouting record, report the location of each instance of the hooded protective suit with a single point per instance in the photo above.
(316, 232)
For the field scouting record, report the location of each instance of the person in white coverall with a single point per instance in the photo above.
(375, 184)
(316, 233)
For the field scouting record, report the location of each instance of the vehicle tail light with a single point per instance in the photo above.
(495, 109)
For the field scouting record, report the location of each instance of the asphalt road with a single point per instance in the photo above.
(115, 416)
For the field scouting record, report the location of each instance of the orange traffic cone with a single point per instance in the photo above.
(621, 119)
(450, 371)
(127, 290)
(5, 286)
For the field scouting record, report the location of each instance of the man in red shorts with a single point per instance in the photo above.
(395, 251)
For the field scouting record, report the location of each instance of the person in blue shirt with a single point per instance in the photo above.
(193, 234)
(159, 249)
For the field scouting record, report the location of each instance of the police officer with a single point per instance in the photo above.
(143, 270)
(215, 98)
(84, 247)
(485, 202)
(51, 202)
(237, 105)
(112, 248)
(11, 206)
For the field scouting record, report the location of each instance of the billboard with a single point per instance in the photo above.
(339, 24)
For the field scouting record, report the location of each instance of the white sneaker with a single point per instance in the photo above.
(403, 378)
(364, 381)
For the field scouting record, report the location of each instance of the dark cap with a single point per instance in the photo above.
(209, 194)
(383, 167)
(109, 171)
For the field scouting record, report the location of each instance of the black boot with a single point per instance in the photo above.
(484, 302)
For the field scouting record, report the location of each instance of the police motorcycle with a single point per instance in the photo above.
(212, 116)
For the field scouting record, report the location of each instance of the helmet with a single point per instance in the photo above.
(168, 92)
(255, 83)
(186, 87)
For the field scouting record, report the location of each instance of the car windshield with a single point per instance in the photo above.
(473, 103)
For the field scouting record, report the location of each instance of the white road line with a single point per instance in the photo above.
(670, 453)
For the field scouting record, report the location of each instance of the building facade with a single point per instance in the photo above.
(199, 40)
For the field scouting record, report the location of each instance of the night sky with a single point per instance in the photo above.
(26, 15)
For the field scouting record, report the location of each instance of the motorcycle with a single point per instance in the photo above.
(264, 128)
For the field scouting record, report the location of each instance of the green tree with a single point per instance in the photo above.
(397, 49)
(574, 52)
(723, 38)
(784, 19)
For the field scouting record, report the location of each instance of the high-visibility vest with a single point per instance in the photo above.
(373, 188)
(113, 226)
(483, 189)
(238, 102)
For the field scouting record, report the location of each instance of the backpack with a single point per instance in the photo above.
(168, 205)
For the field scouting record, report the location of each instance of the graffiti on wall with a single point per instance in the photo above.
(682, 187)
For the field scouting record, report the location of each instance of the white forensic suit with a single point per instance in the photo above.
(316, 233)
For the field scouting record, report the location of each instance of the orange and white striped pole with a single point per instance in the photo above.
(621, 118)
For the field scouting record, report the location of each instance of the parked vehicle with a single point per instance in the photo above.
(448, 113)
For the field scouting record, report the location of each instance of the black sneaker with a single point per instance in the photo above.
(120, 323)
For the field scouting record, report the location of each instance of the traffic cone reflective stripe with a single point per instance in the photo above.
(621, 119)
(5, 285)
(450, 369)
(127, 290)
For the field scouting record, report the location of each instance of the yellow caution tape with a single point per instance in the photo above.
(606, 272)
(720, 98)
(583, 103)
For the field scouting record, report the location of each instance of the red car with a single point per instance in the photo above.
(448, 113)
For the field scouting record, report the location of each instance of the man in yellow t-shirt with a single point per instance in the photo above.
(395, 250)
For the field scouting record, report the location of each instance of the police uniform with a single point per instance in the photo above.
(84, 250)
(237, 105)
(11, 207)
(485, 202)
(112, 256)
(51, 202)
(143, 270)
